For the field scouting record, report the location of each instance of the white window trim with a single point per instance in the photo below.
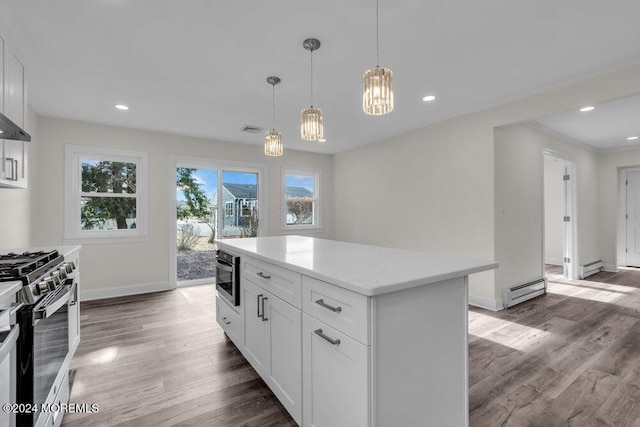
(73, 232)
(317, 217)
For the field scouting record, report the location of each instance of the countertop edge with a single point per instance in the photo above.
(378, 290)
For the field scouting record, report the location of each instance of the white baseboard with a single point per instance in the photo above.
(553, 261)
(486, 303)
(94, 294)
(611, 268)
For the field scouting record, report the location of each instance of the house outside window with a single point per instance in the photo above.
(105, 194)
(228, 208)
(301, 199)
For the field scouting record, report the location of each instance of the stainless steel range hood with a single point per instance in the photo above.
(10, 130)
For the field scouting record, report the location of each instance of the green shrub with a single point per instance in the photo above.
(187, 236)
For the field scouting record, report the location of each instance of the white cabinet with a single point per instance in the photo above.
(335, 377)
(231, 321)
(272, 344)
(13, 171)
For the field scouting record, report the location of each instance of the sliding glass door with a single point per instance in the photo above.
(212, 202)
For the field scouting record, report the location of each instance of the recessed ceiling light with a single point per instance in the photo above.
(429, 98)
(122, 107)
(322, 140)
(587, 108)
(632, 138)
(1, 131)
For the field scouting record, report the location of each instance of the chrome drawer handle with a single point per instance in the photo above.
(225, 321)
(264, 276)
(321, 303)
(319, 333)
(258, 307)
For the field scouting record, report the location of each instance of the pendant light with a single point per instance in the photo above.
(377, 98)
(311, 128)
(273, 139)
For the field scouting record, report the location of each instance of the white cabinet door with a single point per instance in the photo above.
(335, 377)
(13, 172)
(255, 328)
(284, 368)
(15, 98)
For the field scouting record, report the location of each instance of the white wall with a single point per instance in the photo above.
(432, 188)
(553, 211)
(519, 194)
(109, 269)
(609, 169)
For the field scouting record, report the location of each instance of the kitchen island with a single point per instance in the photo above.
(348, 334)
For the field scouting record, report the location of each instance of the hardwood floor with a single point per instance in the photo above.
(162, 360)
(569, 358)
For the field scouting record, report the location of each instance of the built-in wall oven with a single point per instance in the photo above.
(228, 276)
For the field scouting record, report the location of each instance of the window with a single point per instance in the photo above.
(228, 208)
(105, 194)
(301, 199)
(246, 207)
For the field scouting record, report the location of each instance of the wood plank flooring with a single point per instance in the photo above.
(569, 358)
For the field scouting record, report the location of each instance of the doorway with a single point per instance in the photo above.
(560, 221)
(213, 200)
(630, 221)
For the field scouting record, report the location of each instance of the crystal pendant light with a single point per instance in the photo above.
(311, 128)
(377, 98)
(273, 139)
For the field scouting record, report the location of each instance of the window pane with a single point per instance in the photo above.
(108, 177)
(240, 197)
(107, 213)
(299, 196)
(196, 226)
(299, 212)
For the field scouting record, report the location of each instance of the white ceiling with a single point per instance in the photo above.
(605, 128)
(199, 67)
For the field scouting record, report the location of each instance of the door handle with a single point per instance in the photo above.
(319, 333)
(258, 306)
(264, 319)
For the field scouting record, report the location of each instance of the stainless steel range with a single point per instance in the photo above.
(49, 284)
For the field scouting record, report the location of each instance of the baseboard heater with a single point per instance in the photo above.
(591, 268)
(524, 292)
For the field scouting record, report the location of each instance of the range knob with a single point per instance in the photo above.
(68, 267)
(62, 272)
(55, 279)
(43, 287)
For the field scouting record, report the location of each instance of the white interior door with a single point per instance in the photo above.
(633, 219)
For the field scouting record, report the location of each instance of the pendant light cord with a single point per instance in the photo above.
(377, 36)
(273, 106)
(311, 88)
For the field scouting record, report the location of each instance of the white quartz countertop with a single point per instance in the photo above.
(8, 290)
(368, 270)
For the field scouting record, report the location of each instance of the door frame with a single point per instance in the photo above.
(621, 259)
(570, 234)
(221, 165)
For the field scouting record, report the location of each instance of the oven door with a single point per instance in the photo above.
(227, 281)
(42, 359)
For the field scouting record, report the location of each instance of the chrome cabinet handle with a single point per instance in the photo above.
(17, 173)
(225, 321)
(264, 276)
(258, 306)
(321, 303)
(264, 319)
(319, 333)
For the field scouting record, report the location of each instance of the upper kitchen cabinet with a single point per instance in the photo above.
(13, 172)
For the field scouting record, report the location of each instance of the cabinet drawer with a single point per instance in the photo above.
(230, 321)
(346, 311)
(283, 283)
